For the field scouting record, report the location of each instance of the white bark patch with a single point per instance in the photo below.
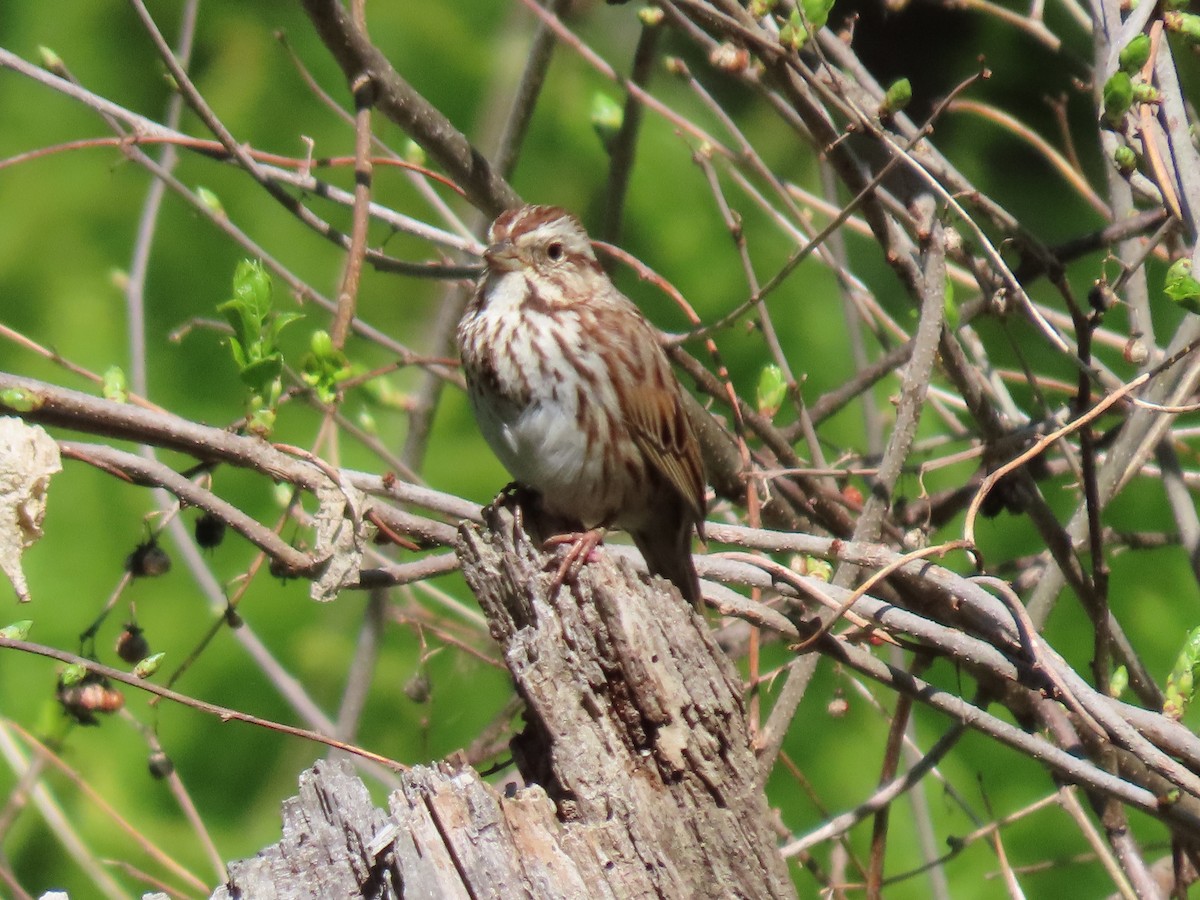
(341, 535)
(28, 457)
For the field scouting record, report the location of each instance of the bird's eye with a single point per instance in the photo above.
(555, 251)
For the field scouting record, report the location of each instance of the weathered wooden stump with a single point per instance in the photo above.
(641, 781)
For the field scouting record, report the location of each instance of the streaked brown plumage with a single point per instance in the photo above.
(575, 395)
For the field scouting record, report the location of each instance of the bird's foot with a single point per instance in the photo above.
(581, 550)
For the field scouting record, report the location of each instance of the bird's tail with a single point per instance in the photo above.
(670, 555)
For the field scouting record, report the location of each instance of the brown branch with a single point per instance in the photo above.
(401, 103)
(223, 713)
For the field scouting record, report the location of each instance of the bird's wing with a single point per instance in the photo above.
(661, 430)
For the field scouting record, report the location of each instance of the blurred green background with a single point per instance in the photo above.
(68, 221)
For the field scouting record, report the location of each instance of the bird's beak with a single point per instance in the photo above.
(501, 256)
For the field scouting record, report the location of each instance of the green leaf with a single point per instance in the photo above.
(1118, 682)
(17, 631)
(1135, 54)
(1126, 159)
(261, 420)
(246, 326)
(1181, 287)
(897, 97)
(256, 327)
(261, 373)
(793, 33)
(252, 287)
(51, 61)
(772, 390)
(818, 568)
(1118, 97)
(148, 666)
(20, 400)
(72, 674)
(1146, 93)
(414, 153)
(607, 116)
(949, 306)
(114, 386)
(383, 392)
(324, 367)
(816, 12)
(281, 321)
(1186, 25)
(238, 353)
(210, 201)
(321, 344)
(1181, 683)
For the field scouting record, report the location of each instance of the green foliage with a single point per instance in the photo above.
(1118, 97)
(255, 342)
(72, 674)
(1181, 683)
(950, 307)
(1181, 286)
(1118, 682)
(149, 666)
(793, 33)
(1126, 159)
(607, 116)
(51, 61)
(413, 153)
(19, 399)
(772, 390)
(324, 367)
(115, 386)
(211, 200)
(1186, 25)
(817, 568)
(816, 12)
(17, 631)
(897, 97)
(1135, 54)
(1146, 93)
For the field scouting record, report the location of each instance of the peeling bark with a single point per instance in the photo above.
(640, 779)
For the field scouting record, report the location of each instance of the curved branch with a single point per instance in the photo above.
(401, 103)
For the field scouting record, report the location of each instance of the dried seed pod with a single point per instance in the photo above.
(160, 765)
(132, 645)
(209, 531)
(83, 699)
(148, 560)
(417, 688)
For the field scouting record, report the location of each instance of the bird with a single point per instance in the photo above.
(573, 391)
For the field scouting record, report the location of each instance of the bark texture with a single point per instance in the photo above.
(640, 779)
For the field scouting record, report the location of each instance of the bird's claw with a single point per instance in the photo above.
(582, 545)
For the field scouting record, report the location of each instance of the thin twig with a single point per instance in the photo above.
(223, 713)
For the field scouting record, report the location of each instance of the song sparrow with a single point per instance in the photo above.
(575, 395)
